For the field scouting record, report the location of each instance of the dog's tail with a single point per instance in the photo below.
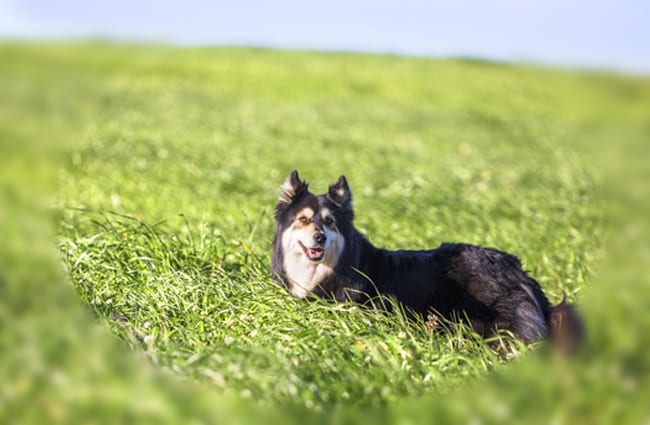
(565, 328)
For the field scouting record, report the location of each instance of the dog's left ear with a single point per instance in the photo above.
(340, 194)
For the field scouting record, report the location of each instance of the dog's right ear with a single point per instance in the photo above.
(339, 193)
(291, 188)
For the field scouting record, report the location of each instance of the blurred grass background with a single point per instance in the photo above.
(137, 190)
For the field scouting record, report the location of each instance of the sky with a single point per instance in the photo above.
(597, 34)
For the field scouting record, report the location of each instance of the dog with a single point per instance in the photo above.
(318, 251)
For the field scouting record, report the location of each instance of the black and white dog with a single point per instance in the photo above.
(317, 250)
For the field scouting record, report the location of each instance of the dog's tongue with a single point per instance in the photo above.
(314, 252)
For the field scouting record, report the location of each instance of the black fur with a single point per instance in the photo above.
(485, 286)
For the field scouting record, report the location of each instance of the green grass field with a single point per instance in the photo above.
(162, 167)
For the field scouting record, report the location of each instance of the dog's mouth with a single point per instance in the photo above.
(314, 254)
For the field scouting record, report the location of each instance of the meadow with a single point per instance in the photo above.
(162, 168)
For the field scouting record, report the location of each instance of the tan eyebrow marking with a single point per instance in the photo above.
(304, 216)
(305, 212)
(327, 216)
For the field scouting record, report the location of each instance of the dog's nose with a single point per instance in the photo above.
(320, 237)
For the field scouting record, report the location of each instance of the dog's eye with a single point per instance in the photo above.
(303, 220)
(328, 220)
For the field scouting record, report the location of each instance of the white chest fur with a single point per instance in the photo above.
(304, 275)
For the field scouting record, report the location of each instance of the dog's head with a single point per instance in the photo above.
(311, 228)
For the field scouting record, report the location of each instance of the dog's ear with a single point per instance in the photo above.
(291, 188)
(339, 193)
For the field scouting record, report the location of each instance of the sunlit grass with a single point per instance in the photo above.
(170, 162)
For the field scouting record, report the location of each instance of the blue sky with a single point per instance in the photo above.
(600, 34)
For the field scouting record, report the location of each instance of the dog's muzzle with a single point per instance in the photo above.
(315, 253)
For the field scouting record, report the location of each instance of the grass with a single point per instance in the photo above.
(205, 307)
(168, 163)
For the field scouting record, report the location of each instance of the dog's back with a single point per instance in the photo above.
(484, 286)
